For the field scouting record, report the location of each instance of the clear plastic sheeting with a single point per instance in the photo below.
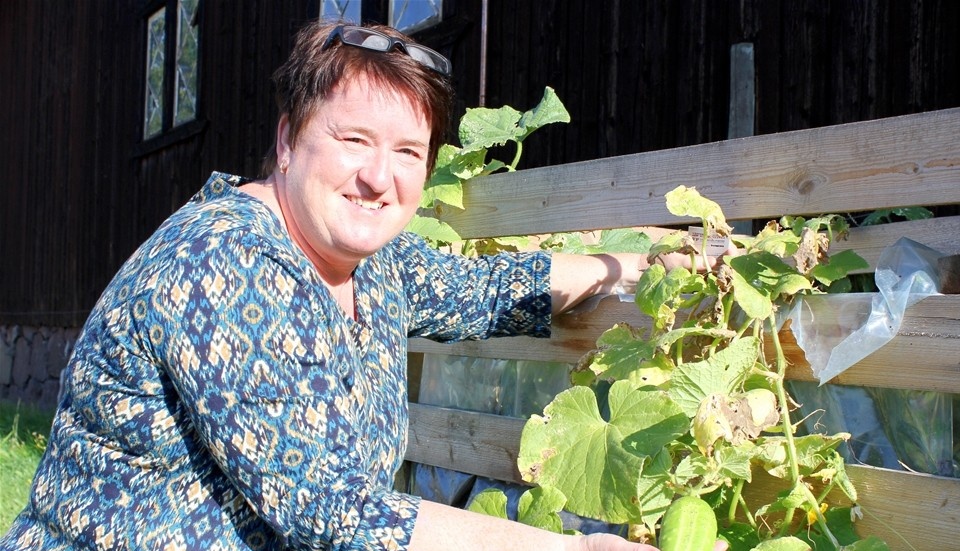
(892, 428)
(837, 331)
(514, 388)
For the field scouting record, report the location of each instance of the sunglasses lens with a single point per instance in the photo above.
(372, 40)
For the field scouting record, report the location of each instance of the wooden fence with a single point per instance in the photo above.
(895, 162)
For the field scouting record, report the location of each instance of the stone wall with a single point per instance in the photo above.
(31, 359)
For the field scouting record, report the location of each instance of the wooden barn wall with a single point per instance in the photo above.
(81, 191)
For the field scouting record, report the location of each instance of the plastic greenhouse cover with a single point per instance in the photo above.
(837, 331)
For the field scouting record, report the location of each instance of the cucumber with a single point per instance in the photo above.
(688, 525)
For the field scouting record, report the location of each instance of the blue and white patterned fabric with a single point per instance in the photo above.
(219, 398)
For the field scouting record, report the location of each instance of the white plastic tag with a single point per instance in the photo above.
(716, 244)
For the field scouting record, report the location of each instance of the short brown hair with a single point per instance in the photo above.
(310, 74)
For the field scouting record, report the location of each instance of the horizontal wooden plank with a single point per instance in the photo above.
(835, 169)
(940, 234)
(925, 354)
(470, 442)
(924, 509)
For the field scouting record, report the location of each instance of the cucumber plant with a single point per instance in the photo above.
(480, 130)
(695, 404)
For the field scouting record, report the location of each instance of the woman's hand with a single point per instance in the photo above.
(609, 542)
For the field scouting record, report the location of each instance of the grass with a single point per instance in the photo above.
(23, 437)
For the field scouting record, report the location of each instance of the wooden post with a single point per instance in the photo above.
(742, 105)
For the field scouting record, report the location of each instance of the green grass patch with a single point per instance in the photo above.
(23, 437)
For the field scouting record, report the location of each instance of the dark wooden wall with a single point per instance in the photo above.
(82, 191)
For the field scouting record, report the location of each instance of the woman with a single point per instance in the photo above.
(241, 382)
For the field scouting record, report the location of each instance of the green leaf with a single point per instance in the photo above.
(838, 266)
(657, 290)
(432, 229)
(760, 278)
(622, 240)
(722, 373)
(740, 536)
(788, 543)
(672, 242)
(450, 193)
(653, 493)
(483, 127)
(772, 240)
(812, 449)
(687, 201)
(491, 502)
(548, 111)
(597, 463)
(883, 216)
(540, 507)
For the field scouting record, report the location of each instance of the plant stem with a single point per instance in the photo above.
(791, 445)
(784, 404)
(737, 490)
(516, 158)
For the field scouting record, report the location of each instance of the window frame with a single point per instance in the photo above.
(380, 11)
(169, 133)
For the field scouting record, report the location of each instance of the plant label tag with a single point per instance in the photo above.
(717, 245)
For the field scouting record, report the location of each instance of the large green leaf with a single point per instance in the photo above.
(482, 128)
(687, 201)
(433, 229)
(491, 502)
(658, 291)
(760, 278)
(721, 373)
(838, 266)
(541, 507)
(597, 463)
(622, 351)
(548, 111)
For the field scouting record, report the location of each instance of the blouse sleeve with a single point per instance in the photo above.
(248, 349)
(458, 298)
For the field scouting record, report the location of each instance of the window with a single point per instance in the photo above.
(170, 93)
(406, 16)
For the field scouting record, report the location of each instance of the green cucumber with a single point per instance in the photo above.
(688, 525)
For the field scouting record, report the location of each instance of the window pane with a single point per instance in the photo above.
(185, 102)
(348, 10)
(413, 15)
(153, 110)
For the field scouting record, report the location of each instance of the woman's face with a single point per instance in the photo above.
(355, 177)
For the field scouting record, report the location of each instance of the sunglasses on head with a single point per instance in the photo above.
(370, 39)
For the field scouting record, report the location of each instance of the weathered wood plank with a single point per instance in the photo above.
(869, 242)
(470, 442)
(844, 168)
(928, 342)
(924, 509)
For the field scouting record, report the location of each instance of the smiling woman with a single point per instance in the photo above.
(241, 383)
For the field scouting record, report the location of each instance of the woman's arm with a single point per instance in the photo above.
(442, 528)
(574, 278)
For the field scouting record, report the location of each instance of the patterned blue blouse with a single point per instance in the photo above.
(219, 398)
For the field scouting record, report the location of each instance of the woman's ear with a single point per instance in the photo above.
(283, 139)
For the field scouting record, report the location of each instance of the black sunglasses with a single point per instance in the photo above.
(370, 39)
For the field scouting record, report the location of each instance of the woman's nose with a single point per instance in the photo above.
(377, 171)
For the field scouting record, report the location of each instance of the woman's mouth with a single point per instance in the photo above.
(370, 205)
